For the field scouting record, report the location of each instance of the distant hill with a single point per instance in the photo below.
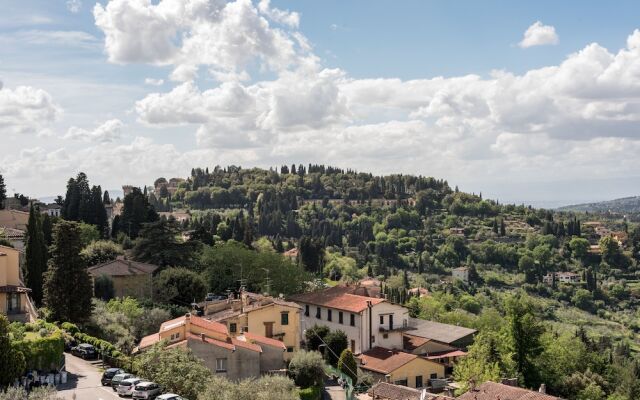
(624, 205)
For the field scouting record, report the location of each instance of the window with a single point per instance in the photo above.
(318, 315)
(289, 349)
(245, 329)
(381, 319)
(402, 382)
(221, 365)
(352, 320)
(13, 303)
(385, 336)
(373, 339)
(340, 317)
(233, 328)
(328, 315)
(284, 318)
(353, 346)
(306, 310)
(434, 376)
(268, 329)
(419, 381)
(174, 336)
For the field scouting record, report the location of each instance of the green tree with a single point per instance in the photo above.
(103, 288)
(67, 284)
(523, 332)
(347, 364)
(336, 342)
(158, 244)
(35, 255)
(482, 363)
(315, 336)
(268, 387)
(164, 366)
(101, 251)
(583, 299)
(136, 211)
(527, 265)
(579, 247)
(12, 363)
(178, 286)
(307, 368)
(88, 233)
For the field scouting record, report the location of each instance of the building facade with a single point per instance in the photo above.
(14, 296)
(367, 321)
(130, 278)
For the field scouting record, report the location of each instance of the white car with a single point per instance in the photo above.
(146, 390)
(170, 396)
(125, 388)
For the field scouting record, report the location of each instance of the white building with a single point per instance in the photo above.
(367, 321)
(461, 273)
(561, 277)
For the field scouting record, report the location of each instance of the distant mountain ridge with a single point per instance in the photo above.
(622, 205)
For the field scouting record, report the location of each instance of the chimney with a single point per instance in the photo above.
(202, 337)
(543, 388)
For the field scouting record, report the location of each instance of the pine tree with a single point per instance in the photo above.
(35, 255)
(67, 284)
(3, 192)
(106, 199)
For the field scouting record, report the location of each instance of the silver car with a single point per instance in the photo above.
(146, 390)
(126, 387)
(170, 396)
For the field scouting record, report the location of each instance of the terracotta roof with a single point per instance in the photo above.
(226, 345)
(498, 391)
(337, 297)
(264, 340)
(383, 360)
(197, 321)
(437, 331)
(149, 340)
(410, 342)
(241, 341)
(11, 233)
(443, 354)
(122, 267)
(389, 391)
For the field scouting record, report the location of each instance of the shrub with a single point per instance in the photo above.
(70, 328)
(307, 368)
(42, 352)
(311, 393)
(347, 365)
(336, 343)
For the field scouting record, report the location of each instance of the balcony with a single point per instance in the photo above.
(395, 328)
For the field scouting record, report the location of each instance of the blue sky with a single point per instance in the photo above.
(129, 91)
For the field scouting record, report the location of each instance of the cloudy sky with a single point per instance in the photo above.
(537, 103)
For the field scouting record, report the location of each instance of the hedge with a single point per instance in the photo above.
(311, 393)
(44, 353)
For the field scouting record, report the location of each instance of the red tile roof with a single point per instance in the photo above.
(149, 340)
(498, 391)
(337, 297)
(197, 321)
(454, 353)
(208, 340)
(242, 342)
(264, 340)
(389, 391)
(383, 360)
(410, 342)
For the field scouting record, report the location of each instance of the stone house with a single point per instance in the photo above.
(130, 278)
(14, 296)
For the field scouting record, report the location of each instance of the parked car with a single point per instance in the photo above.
(146, 390)
(85, 351)
(170, 396)
(109, 374)
(126, 387)
(115, 381)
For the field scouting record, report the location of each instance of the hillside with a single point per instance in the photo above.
(626, 205)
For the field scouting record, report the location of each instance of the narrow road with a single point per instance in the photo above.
(83, 380)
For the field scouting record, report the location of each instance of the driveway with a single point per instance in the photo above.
(83, 380)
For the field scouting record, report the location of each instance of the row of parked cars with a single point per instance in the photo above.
(126, 384)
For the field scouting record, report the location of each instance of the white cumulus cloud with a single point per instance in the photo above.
(539, 34)
(109, 131)
(26, 110)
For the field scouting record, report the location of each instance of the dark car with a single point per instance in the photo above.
(85, 351)
(108, 375)
(69, 345)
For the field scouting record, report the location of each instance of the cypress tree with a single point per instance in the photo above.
(3, 192)
(47, 229)
(98, 212)
(35, 255)
(106, 199)
(67, 285)
(503, 228)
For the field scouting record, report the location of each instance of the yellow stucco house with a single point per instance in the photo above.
(400, 368)
(234, 357)
(260, 315)
(14, 299)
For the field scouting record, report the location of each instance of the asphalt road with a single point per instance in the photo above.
(83, 380)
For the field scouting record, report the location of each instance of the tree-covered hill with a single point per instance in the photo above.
(626, 205)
